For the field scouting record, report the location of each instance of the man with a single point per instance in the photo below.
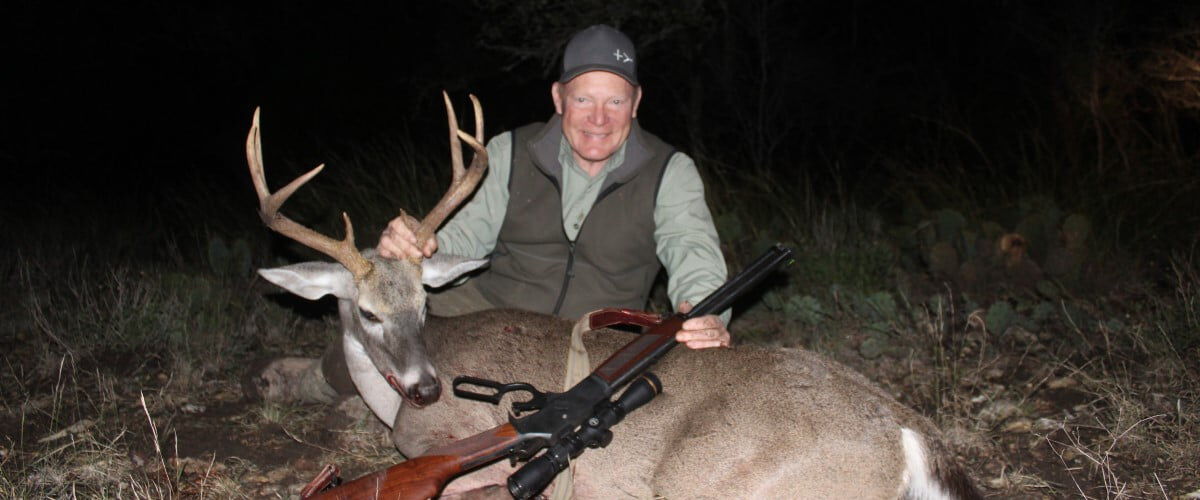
(578, 212)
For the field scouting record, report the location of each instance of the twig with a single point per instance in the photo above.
(154, 433)
(207, 473)
(303, 442)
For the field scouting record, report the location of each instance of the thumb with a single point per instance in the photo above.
(685, 307)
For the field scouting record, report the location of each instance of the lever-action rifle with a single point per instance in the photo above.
(564, 424)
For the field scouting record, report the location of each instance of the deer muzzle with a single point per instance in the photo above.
(424, 392)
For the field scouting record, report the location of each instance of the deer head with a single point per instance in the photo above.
(381, 301)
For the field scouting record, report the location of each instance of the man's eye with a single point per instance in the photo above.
(367, 315)
(580, 99)
(617, 101)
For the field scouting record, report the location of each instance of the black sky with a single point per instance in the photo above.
(125, 96)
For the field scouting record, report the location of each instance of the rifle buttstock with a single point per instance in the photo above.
(424, 476)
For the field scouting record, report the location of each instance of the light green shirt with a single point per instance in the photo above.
(685, 238)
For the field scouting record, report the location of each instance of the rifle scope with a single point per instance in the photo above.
(534, 476)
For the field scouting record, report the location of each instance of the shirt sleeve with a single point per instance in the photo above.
(685, 236)
(473, 230)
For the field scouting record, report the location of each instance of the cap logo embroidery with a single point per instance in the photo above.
(621, 56)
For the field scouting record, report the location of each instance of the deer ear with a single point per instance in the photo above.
(313, 280)
(443, 268)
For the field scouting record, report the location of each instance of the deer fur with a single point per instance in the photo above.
(747, 422)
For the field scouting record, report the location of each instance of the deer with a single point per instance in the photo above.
(743, 422)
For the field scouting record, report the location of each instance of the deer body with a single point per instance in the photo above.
(743, 423)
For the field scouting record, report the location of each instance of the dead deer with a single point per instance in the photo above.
(747, 422)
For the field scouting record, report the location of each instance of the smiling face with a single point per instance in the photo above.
(597, 111)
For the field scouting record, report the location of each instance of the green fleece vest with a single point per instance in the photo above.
(611, 263)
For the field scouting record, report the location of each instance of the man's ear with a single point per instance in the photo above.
(556, 90)
(637, 99)
(313, 280)
(443, 268)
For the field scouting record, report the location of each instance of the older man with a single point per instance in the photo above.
(578, 212)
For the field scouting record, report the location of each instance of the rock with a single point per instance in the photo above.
(999, 410)
(1046, 424)
(255, 478)
(277, 475)
(997, 483)
(1062, 383)
(1021, 335)
(192, 408)
(1018, 426)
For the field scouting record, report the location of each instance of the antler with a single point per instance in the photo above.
(464, 180)
(343, 251)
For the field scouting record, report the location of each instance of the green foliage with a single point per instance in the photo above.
(1000, 316)
(875, 345)
(1041, 251)
(1043, 312)
(804, 309)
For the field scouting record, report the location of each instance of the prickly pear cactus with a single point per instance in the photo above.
(1033, 240)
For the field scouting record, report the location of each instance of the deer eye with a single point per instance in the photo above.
(368, 315)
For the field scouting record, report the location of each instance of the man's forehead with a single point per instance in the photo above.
(599, 82)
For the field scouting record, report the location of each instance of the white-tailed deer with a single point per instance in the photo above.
(747, 422)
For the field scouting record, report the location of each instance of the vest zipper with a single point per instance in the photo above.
(570, 273)
(562, 295)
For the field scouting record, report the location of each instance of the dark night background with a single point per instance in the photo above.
(869, 102)
(994, 204)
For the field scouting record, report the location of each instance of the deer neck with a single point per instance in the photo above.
(379, 396)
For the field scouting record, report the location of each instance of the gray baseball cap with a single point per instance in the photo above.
(600, 47)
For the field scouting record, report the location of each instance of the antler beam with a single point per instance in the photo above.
(464, 180)
(342, 251)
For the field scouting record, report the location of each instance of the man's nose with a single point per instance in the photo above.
(597, 116)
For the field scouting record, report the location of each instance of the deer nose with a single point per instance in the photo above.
(424, 392)
(427, 393)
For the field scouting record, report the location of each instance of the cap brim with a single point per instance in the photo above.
(568, 76)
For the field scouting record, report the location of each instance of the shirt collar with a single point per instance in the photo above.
(566, 158)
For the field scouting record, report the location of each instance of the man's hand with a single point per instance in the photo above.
(398, 242)
(702, 332)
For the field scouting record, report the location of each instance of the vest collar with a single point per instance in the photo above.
(543, 149)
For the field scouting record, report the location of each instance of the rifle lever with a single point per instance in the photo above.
(536, 401)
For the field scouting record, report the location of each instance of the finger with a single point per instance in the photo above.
(704, 344)
(387, 249)
(430, 247)
(396, 248)
(685, 307)
(685, 336)
(703, 322)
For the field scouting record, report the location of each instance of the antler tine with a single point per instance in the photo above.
(464, 180)
(478, 119)
(343, 251)
(456, 162)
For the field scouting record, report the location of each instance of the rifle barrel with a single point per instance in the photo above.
(723, 297)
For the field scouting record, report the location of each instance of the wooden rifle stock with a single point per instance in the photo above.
(424, 476)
